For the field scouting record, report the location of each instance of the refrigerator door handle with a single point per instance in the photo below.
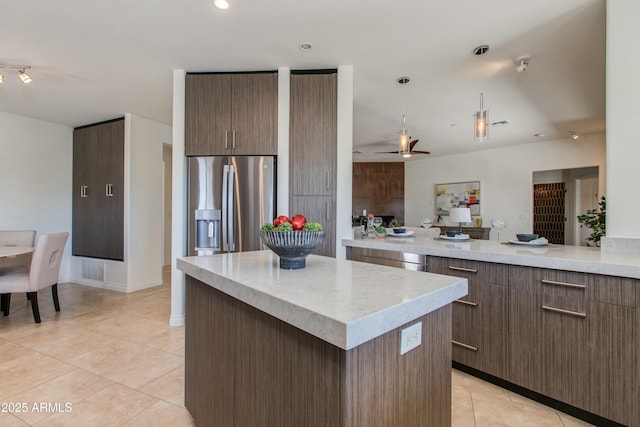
(225, 208)
(231, 206)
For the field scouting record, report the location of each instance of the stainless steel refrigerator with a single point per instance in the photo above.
(230, 197)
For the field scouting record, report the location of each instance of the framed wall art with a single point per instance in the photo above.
(458, 194)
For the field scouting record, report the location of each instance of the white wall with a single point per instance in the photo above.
(36, 176)
(505, 175)
(143, 217)
(623, 118)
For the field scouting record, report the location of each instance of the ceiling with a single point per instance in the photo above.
(93, 61)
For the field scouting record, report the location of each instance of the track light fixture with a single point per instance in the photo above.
(26, 78)
(22, 74)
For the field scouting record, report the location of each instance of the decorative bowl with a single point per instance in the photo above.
(526, 237)
(292, 246)
(452, 233)
(399, 230)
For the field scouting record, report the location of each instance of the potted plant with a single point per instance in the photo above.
(595, 219)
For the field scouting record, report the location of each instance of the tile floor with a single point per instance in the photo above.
(110, 359)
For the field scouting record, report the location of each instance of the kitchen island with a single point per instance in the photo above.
(320, 346)
(559, 324)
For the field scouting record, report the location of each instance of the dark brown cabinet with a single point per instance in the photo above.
(231, 114)
(312, 150)
(572, 338)
(480, 318)
(98, 191)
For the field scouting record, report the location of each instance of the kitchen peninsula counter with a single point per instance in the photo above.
(315, 346)
(557, 257)
(558, 324)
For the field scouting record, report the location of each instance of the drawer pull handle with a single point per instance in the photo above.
(565, 284)
(461, 301)
(467, 346)
(562, 311)
(469, 270)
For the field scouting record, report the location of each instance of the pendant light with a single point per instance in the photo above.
(481, 133)
(403, 144)
(481, 117)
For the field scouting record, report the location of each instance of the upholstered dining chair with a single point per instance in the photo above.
(44, 271)
(16, 238)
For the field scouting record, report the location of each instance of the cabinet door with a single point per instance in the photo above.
(109, 215)
(567, 346)
(98, 198)
(208, 114)
(313, 136)
(319, 209)
(85, 149)
(255, 114)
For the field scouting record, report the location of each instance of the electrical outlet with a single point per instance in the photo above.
(410, 337)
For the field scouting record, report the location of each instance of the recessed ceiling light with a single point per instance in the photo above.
(221, 4)
(501, 123)
(540, 135)
(305, 47)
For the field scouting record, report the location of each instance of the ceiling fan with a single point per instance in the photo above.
(411, 150)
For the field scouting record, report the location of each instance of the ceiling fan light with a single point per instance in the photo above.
(26, 78)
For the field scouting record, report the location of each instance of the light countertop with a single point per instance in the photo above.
(342, 302)
(559, 257)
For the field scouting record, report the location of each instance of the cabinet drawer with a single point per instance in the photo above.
(559, 284)
(476, 271)
(484, 306)
(480, 348)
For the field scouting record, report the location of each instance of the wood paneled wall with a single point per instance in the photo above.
(379, 188)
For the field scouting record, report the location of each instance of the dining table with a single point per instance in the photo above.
(11, 251)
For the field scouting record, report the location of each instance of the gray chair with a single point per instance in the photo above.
(44, 271)
(16, 238)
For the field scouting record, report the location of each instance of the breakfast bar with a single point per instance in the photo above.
(338, 343)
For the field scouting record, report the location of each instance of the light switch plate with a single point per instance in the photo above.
(410, 337)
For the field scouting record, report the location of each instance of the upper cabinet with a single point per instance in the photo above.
(313, 134)
(98, 191)
(231, 114)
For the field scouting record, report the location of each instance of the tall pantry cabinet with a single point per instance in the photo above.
(313, 150)
(98, 190)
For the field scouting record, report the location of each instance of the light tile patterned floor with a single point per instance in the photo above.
(110, 359)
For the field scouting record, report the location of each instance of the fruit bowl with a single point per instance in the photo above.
(292, 246)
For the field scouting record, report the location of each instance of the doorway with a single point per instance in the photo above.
(559, 196)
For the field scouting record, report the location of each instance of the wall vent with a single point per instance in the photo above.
(93, 270)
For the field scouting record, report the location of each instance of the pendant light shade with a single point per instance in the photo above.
(403, 148)
(481, 119)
